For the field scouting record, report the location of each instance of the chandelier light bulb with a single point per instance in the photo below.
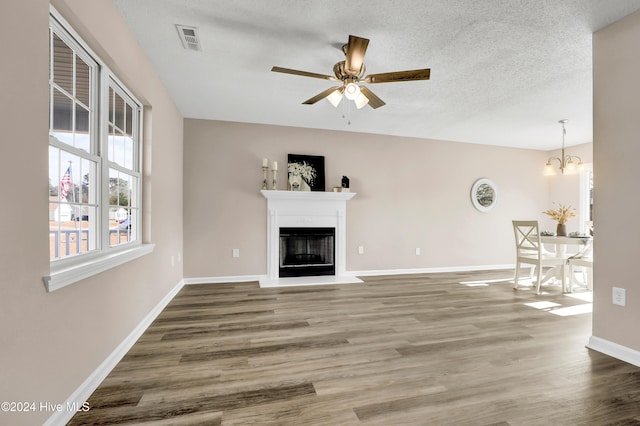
(548, 169)
(570, 167)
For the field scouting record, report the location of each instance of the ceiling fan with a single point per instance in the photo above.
(350, 73)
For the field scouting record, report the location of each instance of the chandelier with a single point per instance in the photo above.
(566, 162)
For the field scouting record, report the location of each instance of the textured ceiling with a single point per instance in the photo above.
(503, 72)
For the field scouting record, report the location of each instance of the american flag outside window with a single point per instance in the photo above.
(66, 182)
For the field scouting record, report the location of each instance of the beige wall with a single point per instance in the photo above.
(410, 193)
(617, 200)
(51, 342)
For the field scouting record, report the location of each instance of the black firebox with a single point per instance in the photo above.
(307, 252)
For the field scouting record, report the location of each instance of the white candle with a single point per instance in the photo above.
(265, 162)
(275, 165)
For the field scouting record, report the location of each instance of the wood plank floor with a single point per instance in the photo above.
(432, 349)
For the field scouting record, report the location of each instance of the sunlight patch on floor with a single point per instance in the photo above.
(565, 311)
(552, 307)
(542, 305)
(483, 283)
(586, 296)
(585, 308)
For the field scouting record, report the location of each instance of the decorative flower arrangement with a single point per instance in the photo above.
(562, 214)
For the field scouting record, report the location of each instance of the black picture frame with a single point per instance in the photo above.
(305, 172)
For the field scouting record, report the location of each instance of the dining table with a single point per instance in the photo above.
(560, 249)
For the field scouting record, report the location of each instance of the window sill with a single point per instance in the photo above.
(68, 275)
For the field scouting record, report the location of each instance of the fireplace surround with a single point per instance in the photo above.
(317, 212)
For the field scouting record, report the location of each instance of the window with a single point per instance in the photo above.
(586, 197)
(94, 157)
(123, 170)
(73, 148)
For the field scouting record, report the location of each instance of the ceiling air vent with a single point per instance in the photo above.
(189, 37)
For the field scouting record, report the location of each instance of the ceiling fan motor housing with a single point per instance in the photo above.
(341, 73)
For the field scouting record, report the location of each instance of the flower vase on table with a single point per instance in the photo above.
(561, 215)
(561, 230)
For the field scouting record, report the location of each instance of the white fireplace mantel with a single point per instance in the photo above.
(307, 195)
(311, 209)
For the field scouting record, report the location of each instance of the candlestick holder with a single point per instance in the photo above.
(265, 169)
(274, 179)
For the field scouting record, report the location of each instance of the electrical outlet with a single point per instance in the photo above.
(179, 257)
(619, 296)
(360, 249)
(418, 251)
(236, 252)
(173, 261)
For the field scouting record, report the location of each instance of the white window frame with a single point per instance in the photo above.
(68, 270)
(111, 81)
(585, 187)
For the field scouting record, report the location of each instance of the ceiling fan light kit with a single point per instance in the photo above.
(361, 100)
(351, 91)
(350, 73)
(335, 97)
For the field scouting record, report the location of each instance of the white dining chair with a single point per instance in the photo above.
(529, 251)
(588, 227)
(584, 259)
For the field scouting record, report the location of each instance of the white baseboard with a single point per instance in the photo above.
(84, 391)
(615, 350)
(372, 272)
(219, 280)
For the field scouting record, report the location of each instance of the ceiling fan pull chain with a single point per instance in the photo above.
(347, 116)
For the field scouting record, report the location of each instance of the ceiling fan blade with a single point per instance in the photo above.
(303, 73)
(356, 48)
(321, 95)
(374, 101)
(389, 77)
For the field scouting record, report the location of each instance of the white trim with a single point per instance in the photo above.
(59, 278)
(220, 280)
(84, 391)
(615, 350)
